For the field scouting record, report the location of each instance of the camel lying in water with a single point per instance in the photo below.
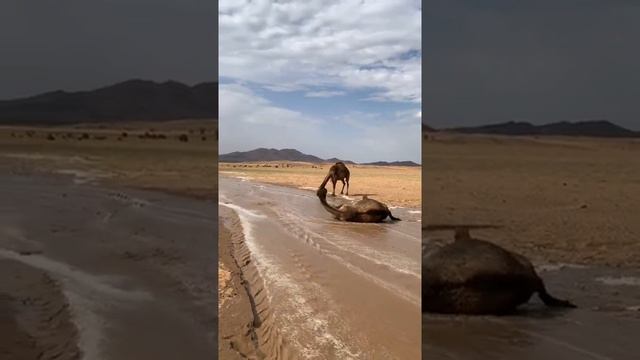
(472, 276)
(365, 210)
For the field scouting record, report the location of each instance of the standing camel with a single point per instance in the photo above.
(338, 171)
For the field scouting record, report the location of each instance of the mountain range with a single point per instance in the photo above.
(592, 128)
(427, 128)
(263, 154)
(132, 100)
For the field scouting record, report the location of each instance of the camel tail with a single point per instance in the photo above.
(393, 217)
(551, 301)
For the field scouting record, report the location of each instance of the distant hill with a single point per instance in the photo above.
(594, 128)
(335, 160)
(392, 163)
(427, 128)
(133, 100)
(263, 154)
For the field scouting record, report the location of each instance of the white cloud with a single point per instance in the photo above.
(238, 104)
(338, 43)
(324, 93)
(248, 121)
(387, 139)
(283, 87)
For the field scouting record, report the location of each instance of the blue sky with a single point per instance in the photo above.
(329, 78)
(328, 101)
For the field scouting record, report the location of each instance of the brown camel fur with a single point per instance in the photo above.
(338, 171)
(472, 276)
(365, 210)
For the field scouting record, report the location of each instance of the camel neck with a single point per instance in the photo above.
(325, 181)
(329, 208)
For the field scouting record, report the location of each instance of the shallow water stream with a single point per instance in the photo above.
(326, 289)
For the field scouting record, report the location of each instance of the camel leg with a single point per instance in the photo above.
(334, 188)
(347, 187)
(342, 190)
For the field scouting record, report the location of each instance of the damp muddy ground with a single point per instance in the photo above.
(315, 287)
(100, 272)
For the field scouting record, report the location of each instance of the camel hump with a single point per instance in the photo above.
(462, 233)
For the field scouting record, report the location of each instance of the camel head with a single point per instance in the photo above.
(322, 193)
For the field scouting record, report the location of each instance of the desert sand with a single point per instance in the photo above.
(555, 199)
(139, 155)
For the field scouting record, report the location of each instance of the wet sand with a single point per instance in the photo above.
(35, 319)
(605, 326)
(317, 288)
(125, 274)
(237, 338)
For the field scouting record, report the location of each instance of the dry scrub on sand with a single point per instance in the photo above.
(571, 200)
(392, 185)
(143, 155)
